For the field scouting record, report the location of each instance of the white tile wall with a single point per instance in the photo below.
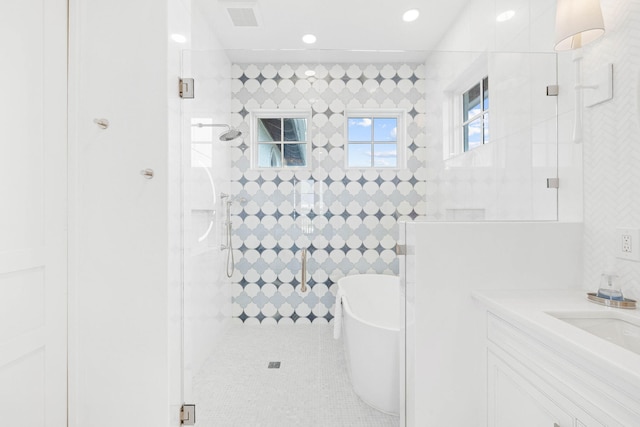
(612, 146)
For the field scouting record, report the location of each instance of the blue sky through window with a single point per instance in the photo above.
(474, 134)
(360, 155)
(385, 155)
(360, 129)
(385, 130)
(377, 132)
(475, 115)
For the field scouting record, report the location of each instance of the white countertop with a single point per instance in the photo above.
(528, 311)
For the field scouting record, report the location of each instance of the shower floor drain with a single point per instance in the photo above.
(274, 365)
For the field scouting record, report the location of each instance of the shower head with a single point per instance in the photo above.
(228, 135)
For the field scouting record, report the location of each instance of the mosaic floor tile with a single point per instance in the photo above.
(236, 388)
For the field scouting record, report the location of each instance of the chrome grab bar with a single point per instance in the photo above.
(303, 279)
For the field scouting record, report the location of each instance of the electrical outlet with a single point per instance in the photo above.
(627, 244)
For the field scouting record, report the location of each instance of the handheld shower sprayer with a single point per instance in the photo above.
(230, 265)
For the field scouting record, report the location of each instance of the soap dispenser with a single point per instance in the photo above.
(608, 283)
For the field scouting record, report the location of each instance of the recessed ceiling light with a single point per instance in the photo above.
(178, 38)
(310, 73)
(309, 38)
(410, 15)
(505, 16)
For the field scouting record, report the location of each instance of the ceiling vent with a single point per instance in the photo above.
(243, 14)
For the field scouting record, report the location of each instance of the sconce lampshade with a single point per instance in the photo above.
(578, 22)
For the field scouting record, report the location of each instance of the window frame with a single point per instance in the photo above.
(279, 114)
(483, 114)
(452, 108)
(400, 142)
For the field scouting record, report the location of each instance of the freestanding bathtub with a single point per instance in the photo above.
(371, 333)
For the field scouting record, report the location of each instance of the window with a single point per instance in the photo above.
(280, 139)
(375, 139)
(475, 115)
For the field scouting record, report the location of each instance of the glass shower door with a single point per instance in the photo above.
(272, 359)
(206, 297)
(504, 178)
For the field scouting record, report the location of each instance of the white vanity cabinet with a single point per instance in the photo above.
(515, 401)
(533, 383)
(518, 398)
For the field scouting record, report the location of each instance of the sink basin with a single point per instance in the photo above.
(617, 328)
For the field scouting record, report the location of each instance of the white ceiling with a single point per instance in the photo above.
(347, 30)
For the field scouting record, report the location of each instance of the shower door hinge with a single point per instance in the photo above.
(186, 88)
(188, 415)
(401, 249)
(553, 90)
(553, 182)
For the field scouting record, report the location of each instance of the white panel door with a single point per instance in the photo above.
(33, 215)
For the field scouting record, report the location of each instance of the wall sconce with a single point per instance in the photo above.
(579, 22)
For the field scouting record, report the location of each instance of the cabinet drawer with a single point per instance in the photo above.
(514, 401)
(540, 385)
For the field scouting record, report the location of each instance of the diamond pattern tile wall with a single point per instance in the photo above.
(355, 228)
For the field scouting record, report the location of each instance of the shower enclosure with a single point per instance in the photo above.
(338, 220)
